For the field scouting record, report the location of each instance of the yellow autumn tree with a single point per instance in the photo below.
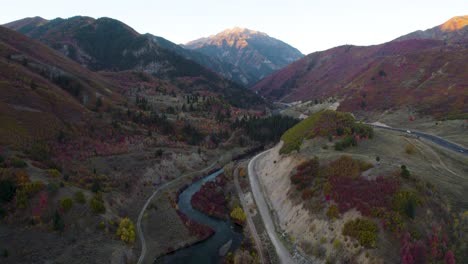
(238, 214)
(126, 231)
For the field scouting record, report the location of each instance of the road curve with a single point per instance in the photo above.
(250, 223)
(435, 139)
(143, 209)
(282, 252)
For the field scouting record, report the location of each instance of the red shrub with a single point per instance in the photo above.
(412, 253)
(362, 194)
(449, 257)
(43, 202)
(305, 173)
(210, 199)
(196, 229)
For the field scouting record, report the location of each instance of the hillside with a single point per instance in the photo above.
(253, 52)
(425, 75)
(80, 151)
(389, 198)
(453, 30)
(42, 91)
(106, 44)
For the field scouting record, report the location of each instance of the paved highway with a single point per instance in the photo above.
(282, 252)
(435, 139)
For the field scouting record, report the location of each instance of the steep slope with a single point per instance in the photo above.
(454, 30)
(252, 51)
(423, 74)
(41, 91)
(108, 44)
(105, 44)
(317, 193)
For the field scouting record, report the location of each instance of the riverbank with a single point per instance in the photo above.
(211, 198)
(163, 229)
(206, 251)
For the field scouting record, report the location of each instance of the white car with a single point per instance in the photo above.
(408, 131)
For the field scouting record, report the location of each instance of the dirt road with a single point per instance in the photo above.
(250, 223)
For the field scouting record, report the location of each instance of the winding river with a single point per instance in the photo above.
(206, 251)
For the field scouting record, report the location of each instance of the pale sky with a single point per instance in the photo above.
(309, 25)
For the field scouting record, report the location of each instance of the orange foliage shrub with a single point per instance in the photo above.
(21, 177)
(307, 193)
(346, 166)
(242, 172)
(410, 149)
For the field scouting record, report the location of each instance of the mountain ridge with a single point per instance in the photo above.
(430, 73)
(230, 33)
(106, 44)
(26, 22)
(453, 30)
(455, 23)
(252, 51)
(57, 34)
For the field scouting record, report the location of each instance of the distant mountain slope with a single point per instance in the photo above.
(105, 44)
(26, 24)
(42, 91)
(73, 37)
(252, 51)
(226, 69)
(454, 30)
(424, 74)
(108, 44)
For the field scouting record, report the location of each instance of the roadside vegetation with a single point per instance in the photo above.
(328, 124)
(126, 231)
(238, 215)
(266, 129)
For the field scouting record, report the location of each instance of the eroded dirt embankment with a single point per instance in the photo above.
(309, 231)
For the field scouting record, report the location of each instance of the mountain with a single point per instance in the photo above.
(226, 69)
(71, 36)
(454, 30)
(420, 73)
(252, 51)
(107, 44)
(104, 44)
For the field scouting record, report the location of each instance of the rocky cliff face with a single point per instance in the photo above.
(253, 52)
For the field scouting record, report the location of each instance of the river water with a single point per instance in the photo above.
(206, 251)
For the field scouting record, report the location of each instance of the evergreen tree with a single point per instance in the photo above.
(59, 225)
